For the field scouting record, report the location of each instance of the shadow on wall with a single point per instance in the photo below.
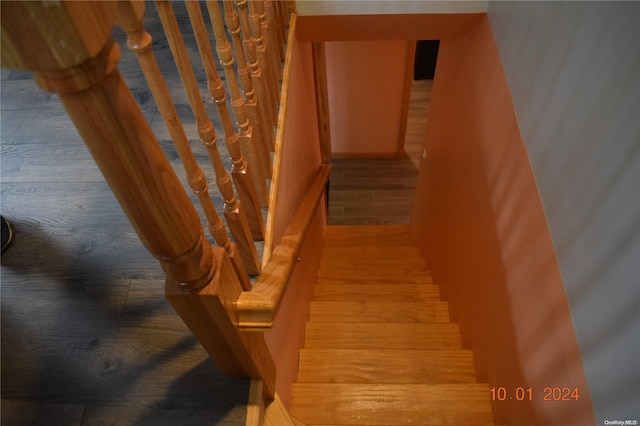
(578, 99)
(482, 226)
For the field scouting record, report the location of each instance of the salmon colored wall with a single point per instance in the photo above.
(300, 159)
(479, 219)
(365, 81)
(287, 335)
(385, 27)
(366, 59)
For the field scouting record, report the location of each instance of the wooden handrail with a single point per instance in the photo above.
(277, 156)
(257, 308)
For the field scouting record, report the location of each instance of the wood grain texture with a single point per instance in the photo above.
(322, 100)
(385, 366)
(257, 308)
(393, 272)
(279, 141)
(276, 414)
(255, 405)
(382, 336)
(406, 95)
(219, 96)
(139, 41)
(287, 335)
(210, 313)
(390, 404)
(373, 312)
(245, 130)
(35, 413)
(354, 235)
(379, 292)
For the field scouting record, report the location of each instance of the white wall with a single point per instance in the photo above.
(368, 7)
(574, 74)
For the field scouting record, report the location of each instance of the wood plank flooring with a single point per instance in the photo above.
(87, 336)
(380, 191)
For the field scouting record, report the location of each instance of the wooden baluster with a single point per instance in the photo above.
(272, 47)
(277, 5)
(263, 129)
(233, 211)
(259, 73)
(284, 18)
(240, 171)
(291, 8)
(245, 130)
(274, 25)
(130, 18)
(68, 45)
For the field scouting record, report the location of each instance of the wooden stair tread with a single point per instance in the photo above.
(359, 235)
(377, 270)
(416, 404)
(372, 250)
(330, 335)
(386, 366)
(407, 276)
(376, 312)
(338, 291)
(379, 348)
(363, 260)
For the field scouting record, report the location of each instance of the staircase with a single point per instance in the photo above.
(379, 347)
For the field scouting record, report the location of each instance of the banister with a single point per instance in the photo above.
(257, 308)
(279, 142)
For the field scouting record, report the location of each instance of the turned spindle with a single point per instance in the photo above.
(130, 18)
(275, 57)
(206, 131)
(239, 170)
(245, 129)
(260, 71)
(263, 130)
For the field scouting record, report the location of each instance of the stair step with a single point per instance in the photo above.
(372, 251)
(395, 272)
(339, 290)
(391, 366)
(363, 235)
(362, 261)
(366, 404)
(377, 312)
(373, 268)
(335, 335)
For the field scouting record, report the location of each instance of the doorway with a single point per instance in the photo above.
(368, 190)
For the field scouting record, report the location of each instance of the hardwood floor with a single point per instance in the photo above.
(87, 336)
(380, 191)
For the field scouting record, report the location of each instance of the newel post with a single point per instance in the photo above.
(69, 48)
